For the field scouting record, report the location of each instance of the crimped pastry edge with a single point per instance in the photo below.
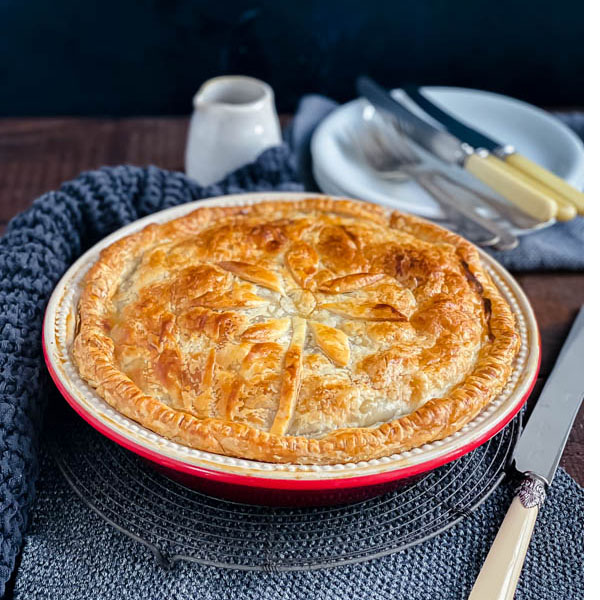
(437, 419)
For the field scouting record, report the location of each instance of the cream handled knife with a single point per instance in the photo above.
(536, 457)
(567, 197)
(508, 182)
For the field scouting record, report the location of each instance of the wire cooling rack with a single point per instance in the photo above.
(180, 524)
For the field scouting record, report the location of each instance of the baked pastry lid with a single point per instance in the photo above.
(58, 333)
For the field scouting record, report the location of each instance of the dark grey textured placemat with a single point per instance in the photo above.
(70, 553)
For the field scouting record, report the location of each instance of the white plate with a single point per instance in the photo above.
(59, 329)
(534, 132)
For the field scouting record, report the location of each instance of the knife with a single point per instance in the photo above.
(536, 457)
(566, 194)
(485, 166)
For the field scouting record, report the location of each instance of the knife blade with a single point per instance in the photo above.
(541, 445)
(477, 139)
(485, 166)
(468, 134)
(443, 145)
(536, 455)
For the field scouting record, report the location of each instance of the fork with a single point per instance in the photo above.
(392, 158)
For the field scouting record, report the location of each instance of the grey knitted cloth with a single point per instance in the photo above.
(71, 554)
(558, 248)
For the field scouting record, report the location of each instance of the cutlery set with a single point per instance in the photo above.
(568, 199)
(391, 157)
(536, 196)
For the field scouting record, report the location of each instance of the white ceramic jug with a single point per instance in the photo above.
(234, 120)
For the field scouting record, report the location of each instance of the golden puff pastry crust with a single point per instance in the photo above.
(318, 331)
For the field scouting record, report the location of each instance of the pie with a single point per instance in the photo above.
(316, 331)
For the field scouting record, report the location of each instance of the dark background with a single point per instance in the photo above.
(76, 57)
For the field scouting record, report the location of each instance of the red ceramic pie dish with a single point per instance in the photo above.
(265, 483)
(277, 491)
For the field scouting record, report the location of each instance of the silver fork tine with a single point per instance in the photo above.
(397, 144)
(377, 151)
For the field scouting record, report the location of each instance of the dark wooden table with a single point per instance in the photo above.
(36, 155)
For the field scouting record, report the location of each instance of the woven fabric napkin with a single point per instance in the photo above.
(68, 553)
(559, 247)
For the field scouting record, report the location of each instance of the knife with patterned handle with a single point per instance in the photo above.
(536, 456)
(530, 197)
(567, 197)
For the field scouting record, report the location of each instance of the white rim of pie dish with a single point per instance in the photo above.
(58, 333)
